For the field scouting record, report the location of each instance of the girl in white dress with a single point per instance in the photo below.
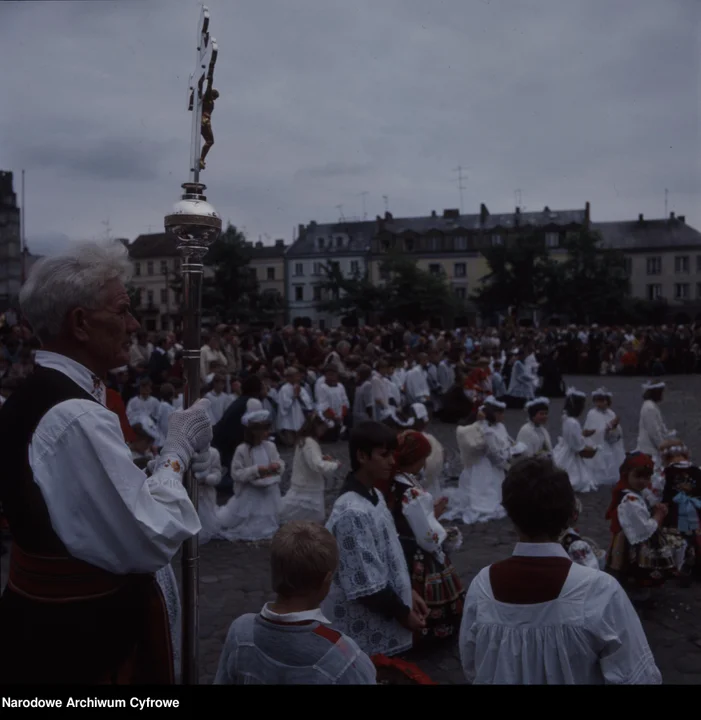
(652, 431)
(486, 450)
(572, 452)
(608, 437)
(305, 498)
(432, 475)
(256, 469)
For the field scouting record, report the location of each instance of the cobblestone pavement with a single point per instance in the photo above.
(235, 579)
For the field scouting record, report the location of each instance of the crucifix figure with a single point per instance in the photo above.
(202, 103)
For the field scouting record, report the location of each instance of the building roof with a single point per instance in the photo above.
(266, 252)
(153, 245)
(631, 235)
(357, 236)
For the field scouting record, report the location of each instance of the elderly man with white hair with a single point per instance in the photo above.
(90, 529)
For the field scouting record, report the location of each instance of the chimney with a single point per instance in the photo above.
(433, 214)
(587, 213)
(640, 217)
(484, 213)
(259, 244)
(682, 218)
(671, 216)
(388, 216)
(451, 213)
(312, 223)
(546, 209)
(518, 210)
(279, 243)
(300, 230)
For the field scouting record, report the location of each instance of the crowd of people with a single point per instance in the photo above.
(95, 404)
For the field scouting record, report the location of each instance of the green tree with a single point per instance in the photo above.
(592, 284)
(518, 275)
(231, 293)
(409, 295)
(351, 296)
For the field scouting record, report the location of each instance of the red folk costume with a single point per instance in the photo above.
(641, 554)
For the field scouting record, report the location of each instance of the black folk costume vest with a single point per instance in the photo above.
(62, 620)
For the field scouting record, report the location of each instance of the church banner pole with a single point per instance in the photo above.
(196, 226)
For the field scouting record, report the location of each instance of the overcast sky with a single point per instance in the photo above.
(321, 100)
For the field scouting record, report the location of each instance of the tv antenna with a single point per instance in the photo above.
(666, 202)
(386, 199)
(461, 187)
(340, 212)
(363, 195)
(519, 198)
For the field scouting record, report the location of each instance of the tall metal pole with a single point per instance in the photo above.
(23, 238)
(196, 225)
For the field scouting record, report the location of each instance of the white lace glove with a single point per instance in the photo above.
(206, 466)
(189, 432)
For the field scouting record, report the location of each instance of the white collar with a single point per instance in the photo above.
(406, 479)
(539, 550)
(295, 617)
(160, 350)
(78, 373)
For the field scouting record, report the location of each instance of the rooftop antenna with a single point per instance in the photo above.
(340, 212)
(519, 198)
(461, 187)
(23, 237)
(386, 199)
(363, 195)
(666, 202)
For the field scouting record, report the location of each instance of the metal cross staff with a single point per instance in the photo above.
(196, 225)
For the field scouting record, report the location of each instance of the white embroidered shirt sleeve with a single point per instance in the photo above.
(417, 508)
(103, 508)
(635, 519)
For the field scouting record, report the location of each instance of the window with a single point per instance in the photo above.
(434, 244)
(320, 243)
(409, 244)
(461, 243)
(460, 270)
(654, 265)
(497, 240)
(434, 269)
(164, 296)
(318, 268)
(552, 240)
(681, 264)
(355, 267)
(654, 292)
(299, 269)
(461, 293)
(339, 242)
(698, 290)
(137, 268)
(149, 297)
(317, 293)
(681, 291)
(149, 267)
(164, 267)
(151, 325)
(628, 264)
(271, 273)
(384, 272)
(299, 293)
(164, 322)
(334, 266)
(322, 324)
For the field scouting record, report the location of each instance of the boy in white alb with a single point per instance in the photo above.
(290, 642)
(540, 619)
(371, 597)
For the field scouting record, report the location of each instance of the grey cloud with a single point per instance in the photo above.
(568, 101)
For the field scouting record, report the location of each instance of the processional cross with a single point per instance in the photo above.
(200, 103)
(195, 225)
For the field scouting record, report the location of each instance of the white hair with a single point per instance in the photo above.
(76, 278)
